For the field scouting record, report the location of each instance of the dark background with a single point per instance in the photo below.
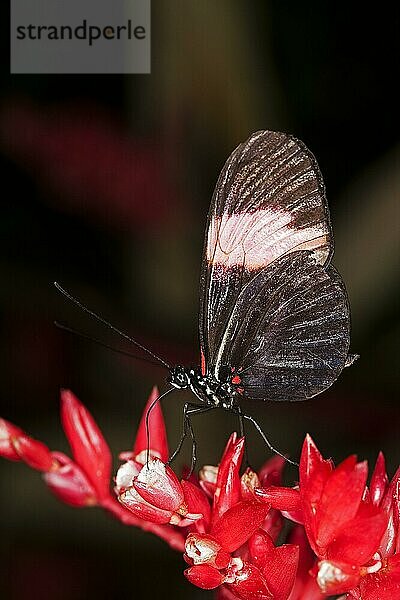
(106, 182)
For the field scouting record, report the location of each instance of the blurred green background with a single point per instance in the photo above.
(106, 182)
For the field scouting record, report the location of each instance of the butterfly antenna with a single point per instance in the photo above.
(100, 343)
(109, 325)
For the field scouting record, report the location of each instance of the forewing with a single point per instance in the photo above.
(288, 334)
(269, 201)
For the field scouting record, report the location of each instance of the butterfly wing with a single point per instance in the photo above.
(268, 207)
(288, 333)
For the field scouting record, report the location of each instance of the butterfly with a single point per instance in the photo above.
(274, 315)
(274, 320)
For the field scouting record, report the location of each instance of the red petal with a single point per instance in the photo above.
(224, 593)
(390, 542)
(271, 472)
(33, 453)
(131, 500)
(387, 544)
(312, 465)
(227, 491)
(204, 577)
(158, 485)
(270, 561)
(340, 499)
(197, 502)
(238, 524)
(89, 448)
(391, 492)
(260, 548)
(314, 472)
(280, 570)
(379, 480)
(8, 432)
(208, 488)
(358, 540)
(158, 435)
(69, 483)
(280, 498)
(393, 567)
(250, 584)
(383, 585)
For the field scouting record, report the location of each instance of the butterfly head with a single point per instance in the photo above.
(179, 377)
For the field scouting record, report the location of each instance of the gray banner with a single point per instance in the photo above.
(80, 36)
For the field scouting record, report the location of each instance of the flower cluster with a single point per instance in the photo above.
(342, 534)
(85, 479)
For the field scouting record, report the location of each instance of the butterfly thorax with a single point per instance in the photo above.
(207, 388)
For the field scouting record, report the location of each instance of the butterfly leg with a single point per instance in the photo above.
(188, 410)
(196, 410)
(266, 440)
(193, 458)
(183, 436)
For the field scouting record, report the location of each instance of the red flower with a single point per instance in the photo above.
(256, 572)
(343, 526)
(85, 481)
(347, 539)
(155, 494)
(89, 448)
(82, 482)
(237, 554)
(69, 483)
(150, 490)
(16, 445)
(382, 579)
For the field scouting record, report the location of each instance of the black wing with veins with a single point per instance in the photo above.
(288, 333)
(269, 214)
